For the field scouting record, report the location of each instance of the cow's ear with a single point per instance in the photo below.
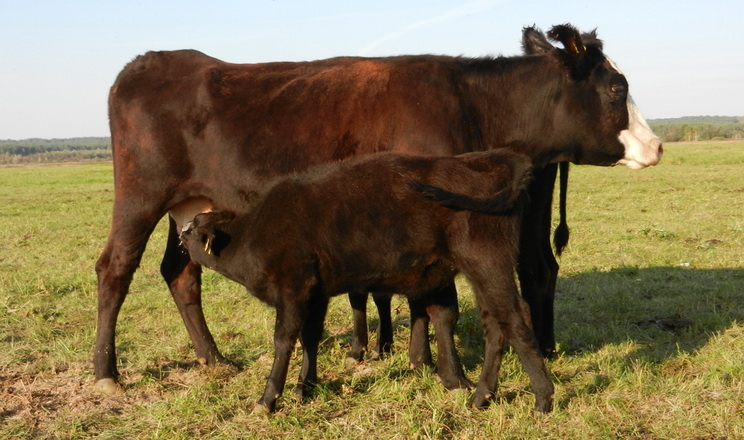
(570, 38)
(579, 56)
(534, 41)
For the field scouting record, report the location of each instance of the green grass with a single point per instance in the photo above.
(649, 322)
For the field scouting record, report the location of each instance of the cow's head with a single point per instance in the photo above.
(204, 237)
(597, 104)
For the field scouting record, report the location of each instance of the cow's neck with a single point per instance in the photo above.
(516, 100)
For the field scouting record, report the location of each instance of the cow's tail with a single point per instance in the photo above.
(560, 237)
(503, 202)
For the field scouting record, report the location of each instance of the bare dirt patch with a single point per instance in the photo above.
(34, 403)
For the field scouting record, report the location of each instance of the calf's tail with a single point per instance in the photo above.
(502, 202)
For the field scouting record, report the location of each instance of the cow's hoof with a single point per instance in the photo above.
(108, 386)
(351, 362)
(460, 382)
(261, 410)
(222, 370)
(481, 400)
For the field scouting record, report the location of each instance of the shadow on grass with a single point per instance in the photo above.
(664, 310)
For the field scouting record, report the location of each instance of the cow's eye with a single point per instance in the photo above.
(618, 90)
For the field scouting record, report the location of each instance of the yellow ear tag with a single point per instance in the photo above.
(208, 246)
(575, 48)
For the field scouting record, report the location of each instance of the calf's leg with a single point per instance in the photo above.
(310, 336)
(419, 351)
(439, 306)
(523, 341)
(359, 336)
(485, 390)
(289, 321)
(444, 312)
(506, 318)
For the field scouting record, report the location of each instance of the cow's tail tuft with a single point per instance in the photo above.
(560, 237)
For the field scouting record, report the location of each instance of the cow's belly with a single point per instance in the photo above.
(184, 212)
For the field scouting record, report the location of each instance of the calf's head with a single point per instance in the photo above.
(204, 237)
(594, 103)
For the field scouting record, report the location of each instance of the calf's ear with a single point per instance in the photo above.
(213, 218)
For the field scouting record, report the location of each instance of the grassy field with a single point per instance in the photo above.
(650, 326)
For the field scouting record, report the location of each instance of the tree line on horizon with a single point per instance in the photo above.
(36, 150)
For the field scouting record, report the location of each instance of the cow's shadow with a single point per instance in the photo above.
(660, 311)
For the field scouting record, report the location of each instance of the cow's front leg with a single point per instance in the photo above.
(184, 281)
(538, 268)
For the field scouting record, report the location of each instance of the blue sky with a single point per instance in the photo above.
(58, 59)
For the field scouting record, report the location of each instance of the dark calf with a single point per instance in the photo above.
(389, 223)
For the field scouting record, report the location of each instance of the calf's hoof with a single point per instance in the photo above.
(108, 386)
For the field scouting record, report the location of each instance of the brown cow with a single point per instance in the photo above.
(367, 221)
(189, 130)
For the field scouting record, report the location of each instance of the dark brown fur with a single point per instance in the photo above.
(371, 222)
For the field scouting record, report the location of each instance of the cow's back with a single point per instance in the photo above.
(196, 121)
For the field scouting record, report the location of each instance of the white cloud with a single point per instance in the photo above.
(459, 11)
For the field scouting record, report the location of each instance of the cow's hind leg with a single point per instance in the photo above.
(385, 324)
(183, 278)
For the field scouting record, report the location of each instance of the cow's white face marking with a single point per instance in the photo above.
(642, 147)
